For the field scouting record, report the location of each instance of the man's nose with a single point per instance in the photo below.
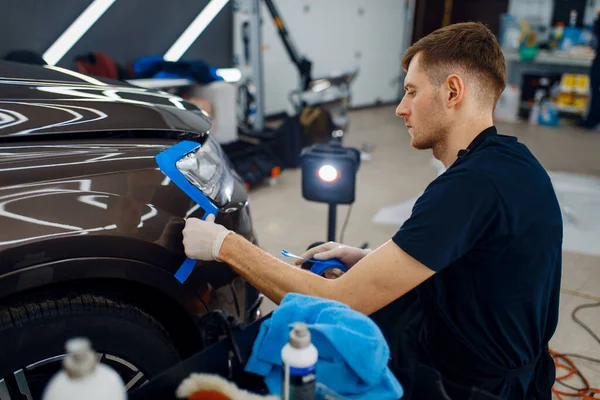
(402, 110)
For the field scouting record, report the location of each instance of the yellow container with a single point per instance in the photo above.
(580, 101)
(582, 84)
(567, 83)
(565, 99)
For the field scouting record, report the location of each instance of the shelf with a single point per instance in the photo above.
(553, 58)
(570, 109)
(561, 108)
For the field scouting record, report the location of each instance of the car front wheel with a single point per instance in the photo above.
(33, 332)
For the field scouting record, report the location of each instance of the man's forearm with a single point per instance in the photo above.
(378, 279)
(273, 277)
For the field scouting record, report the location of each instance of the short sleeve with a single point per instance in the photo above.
(456, 211)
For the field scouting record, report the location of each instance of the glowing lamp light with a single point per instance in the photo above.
(328, 173)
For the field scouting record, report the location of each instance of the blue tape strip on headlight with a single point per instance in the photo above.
(167, 162)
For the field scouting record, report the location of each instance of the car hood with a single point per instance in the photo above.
(22, 164)
(37, 100)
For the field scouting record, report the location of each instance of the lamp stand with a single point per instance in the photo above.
(332, 216)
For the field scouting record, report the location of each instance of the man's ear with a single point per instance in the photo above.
(455, 89)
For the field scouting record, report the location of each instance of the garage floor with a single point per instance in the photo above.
(398, 174)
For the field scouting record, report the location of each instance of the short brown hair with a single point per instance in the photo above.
(469, 45)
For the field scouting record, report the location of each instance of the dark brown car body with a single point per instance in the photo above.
(83, 203)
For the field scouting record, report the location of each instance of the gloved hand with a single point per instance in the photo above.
(346, 254)
(203, 239)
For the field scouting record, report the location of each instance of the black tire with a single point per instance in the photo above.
(36, 328)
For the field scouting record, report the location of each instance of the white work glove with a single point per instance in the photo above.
(203, 239)
(346, 254)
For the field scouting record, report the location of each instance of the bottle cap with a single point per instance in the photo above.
(80, 361)
(300, 335)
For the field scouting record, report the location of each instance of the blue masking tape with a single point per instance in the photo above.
(321, 266)
(167, 162)
(185, 270)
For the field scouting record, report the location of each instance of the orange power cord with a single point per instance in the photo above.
(563, 362)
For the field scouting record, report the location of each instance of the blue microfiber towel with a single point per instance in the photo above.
(353, 354)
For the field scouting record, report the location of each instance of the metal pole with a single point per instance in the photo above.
(332, 216)
(257, 64)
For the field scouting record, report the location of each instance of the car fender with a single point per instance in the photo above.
(133, 214)
(111, 268)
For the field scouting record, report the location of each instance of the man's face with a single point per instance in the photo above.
(422, 109)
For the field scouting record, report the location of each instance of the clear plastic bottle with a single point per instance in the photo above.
(534, 115)
(299, 358)
(83, 377)
(573, 18)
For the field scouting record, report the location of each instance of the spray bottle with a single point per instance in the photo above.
(83, 377)
(299, 358)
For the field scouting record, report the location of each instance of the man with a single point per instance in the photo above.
(482, 246)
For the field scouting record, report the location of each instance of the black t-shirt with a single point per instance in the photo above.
(596, 30)
(491, 228)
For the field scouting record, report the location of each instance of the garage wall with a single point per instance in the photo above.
(591, 11)
(336, 35)
(128, 30)
(540, 11)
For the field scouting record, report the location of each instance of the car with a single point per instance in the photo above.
(91, 229)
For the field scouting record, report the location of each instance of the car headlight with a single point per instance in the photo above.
(208, 170)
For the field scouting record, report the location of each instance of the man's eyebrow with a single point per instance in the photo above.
(409, 85)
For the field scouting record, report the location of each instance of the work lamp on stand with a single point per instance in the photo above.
(329, 176)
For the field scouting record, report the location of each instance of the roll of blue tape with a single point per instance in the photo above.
(321, 266)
